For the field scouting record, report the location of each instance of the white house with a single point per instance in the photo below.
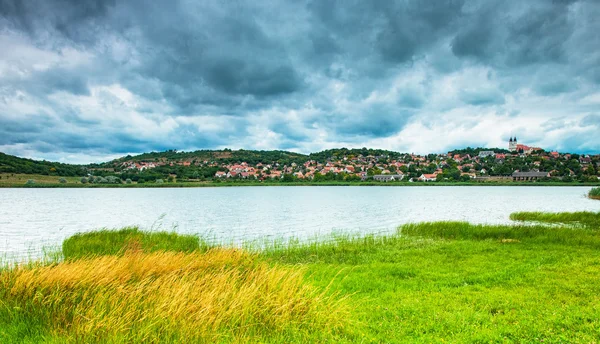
(428, 177)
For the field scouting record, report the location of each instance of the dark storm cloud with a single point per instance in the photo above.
(482, 97)
(495, 32)
(75, 19)
(551, 87)
(59, 79)
(19, 130)
(378, 120)
(388, 32)
(98, 66)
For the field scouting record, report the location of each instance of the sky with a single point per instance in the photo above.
(90, 80)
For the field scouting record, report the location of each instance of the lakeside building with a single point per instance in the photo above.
(426, 177)
(528, 176)
(493, 178)
(387, 177)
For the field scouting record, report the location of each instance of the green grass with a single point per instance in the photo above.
(430, 282)
(15, 179)
(110, 242)
(11, 180)
(462, 283)
(583, 218)
(594, 193)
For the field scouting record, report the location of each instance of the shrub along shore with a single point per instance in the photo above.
(47, 181)
(429, 282)
(595, 193)
(35, 184)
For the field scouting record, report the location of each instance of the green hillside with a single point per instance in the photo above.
(222, 156)
(13, 164)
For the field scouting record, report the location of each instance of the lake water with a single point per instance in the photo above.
(34, 218)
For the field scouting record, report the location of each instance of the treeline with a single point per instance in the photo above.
(339, 153)
(475, 151)
(13, 164)
(169, 173)
(226, 156)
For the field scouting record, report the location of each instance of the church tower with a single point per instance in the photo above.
(512, 144)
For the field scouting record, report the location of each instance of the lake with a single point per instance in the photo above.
(31, 219)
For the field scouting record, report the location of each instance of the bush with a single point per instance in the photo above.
(30, 182)
(62, 181)
(84, 180)
(113, 180)
(128, 181)
(100, 180)
(159, 181)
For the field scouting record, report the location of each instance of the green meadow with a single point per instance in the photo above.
(533, 281)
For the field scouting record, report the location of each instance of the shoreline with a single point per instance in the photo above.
(256, 184)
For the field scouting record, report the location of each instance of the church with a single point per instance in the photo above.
(514, 146)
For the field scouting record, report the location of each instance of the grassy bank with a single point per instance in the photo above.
(430, 282)
(583, 218)
(42, 181)
(15, 179)
(594, 193)
(276, 184)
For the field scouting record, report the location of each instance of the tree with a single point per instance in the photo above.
(465, 178)
(287, 178)
(113, 180)
(590, 170)
(353, 178)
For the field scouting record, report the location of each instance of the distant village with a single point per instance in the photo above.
(518, 162)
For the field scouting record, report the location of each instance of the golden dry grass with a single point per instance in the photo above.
(221, 295)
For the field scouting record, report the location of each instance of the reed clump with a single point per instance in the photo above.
(585, 235)
(222, 295)
(117, 242)
(594, 193)
(582, 218)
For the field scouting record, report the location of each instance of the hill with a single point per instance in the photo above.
(13, 164)
(338, 153)
(339, 164)
(223, 156)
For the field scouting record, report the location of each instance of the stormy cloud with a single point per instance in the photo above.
(87, 80)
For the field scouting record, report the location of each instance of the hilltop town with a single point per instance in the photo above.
(517, 163)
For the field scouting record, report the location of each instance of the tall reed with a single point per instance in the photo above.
(220, 295)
